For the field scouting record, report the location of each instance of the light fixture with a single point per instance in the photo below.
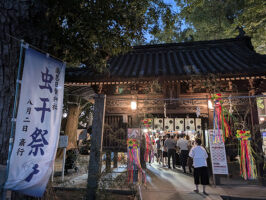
(64, 115)
(145, 130)
(262, 119)
(210, 104)
(133, 105)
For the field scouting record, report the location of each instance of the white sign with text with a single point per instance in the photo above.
(218, 154)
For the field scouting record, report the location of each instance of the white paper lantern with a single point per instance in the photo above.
(179, 124)
(158, 124)
(169, 124)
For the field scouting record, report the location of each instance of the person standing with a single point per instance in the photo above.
(164, 150)
(189, 159)
(159, 149)
(182, 144)
(153, 151)
(199, 156)
(170, 144)
(177, 157)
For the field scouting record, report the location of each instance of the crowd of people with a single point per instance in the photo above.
(179, 150)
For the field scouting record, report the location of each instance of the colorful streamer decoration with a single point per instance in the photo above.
(148, 147)
(147, 123)
(247, 162)
(133, 158)
(219, 120)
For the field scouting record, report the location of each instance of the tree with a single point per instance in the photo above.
(77, 31)
(253, 19)
(218, 19)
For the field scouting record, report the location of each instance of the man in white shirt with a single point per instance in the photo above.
(182, 144)
(199, 155)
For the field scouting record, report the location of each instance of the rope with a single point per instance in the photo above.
(181, 99)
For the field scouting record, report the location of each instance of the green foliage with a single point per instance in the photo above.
(89, 32)
(260, 103)
(86, 109)
(216, 19)
(253, 19)
(211, 19)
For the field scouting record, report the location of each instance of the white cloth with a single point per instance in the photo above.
(162, 147)
(182, 144)
(199, 155)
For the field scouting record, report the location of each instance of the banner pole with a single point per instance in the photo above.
(13, 120)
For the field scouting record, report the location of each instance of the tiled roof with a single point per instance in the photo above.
(222, 57)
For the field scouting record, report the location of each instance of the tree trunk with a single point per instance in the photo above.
(72, 122)
(19, 19)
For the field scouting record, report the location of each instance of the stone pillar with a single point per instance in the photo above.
(96, 147)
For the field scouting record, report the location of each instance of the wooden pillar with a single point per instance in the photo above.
(135, 122)
(108, 161)
(96, 147)
(115, 159)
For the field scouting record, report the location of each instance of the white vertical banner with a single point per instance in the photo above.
(37, 125)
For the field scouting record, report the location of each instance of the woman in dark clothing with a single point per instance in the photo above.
(165, 156)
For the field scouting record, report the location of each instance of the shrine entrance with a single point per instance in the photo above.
(162, 116)
(242, 113)
(168, 89)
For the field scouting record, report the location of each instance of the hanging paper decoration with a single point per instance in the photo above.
(147, 123)
(169, 124)
(198, 125)
(133, 158)
(247, 163)
(133, 154)
(189, 124)
(148, 147)
(219, 120)
(198, 111)
(158, 124)
(179, 124)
